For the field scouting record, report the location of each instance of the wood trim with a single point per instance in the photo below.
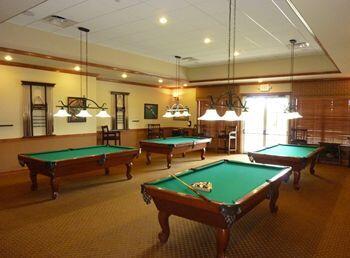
(33, 138)
(267, 94)
(73, 61)
(53, 69)
(29, 83)
(131, 83)
(263, 76)
(272, 82)
(44, 68)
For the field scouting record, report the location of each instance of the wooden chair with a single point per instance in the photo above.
(154, 131)
(108, 135)
(200, 130)
(227, 136)
(331, 153)
(298, 136)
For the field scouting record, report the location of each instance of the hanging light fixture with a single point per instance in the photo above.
(84, 103)
(291, 112)
(177, 109)
(233, 101)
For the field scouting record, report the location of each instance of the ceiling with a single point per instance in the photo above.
(132, 25)
(14, 7)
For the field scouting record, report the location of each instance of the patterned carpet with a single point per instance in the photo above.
(105, 216)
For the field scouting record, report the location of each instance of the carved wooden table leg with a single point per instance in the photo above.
(296, 181)
(33, 179)
(312, 165)
(106, 171)
(168, 159)
(128, 170)
(163, 219)
(183, 155)
(203, 154)
(222, 240)
(54, 186)
(148, 157)
(274, 193)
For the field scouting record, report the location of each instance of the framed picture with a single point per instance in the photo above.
(75, 105)
(151, 111)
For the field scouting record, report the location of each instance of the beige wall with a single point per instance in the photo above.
(139, 96)
(319, 63)
(11, 98)
(275, 88)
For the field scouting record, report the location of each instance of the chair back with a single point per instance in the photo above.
(105, 129)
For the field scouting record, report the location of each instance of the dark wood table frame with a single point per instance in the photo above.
(297, 164)
(218, 215)
(171, 149)
(75, 166)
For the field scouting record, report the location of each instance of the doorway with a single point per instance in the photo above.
(265, 125)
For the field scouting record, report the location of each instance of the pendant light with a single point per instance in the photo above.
(177, 109)
(84, 103)
(291, 112)
(233, 101)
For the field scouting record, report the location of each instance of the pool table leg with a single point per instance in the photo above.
(296, 182)
(148, 157)
(163, 218)
(169, 156)
(183, 155)
(312, 165)
(54, 186)
(106, 171)
(33, 179)
(128, 170)
(222, 240)
(274, 193)
(203, 153)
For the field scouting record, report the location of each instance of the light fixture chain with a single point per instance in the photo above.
(229, 46)
(86, 64)
(81, 64)
(234, 39)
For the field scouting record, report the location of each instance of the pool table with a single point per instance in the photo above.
(237, 188)
(174, 145)
(70, 161)
(295, 156)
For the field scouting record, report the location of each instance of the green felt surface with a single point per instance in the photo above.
(174, 140)
(289, 150)
(231, 180)
(54, 156)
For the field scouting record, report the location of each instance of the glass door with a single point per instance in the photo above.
(265, 125)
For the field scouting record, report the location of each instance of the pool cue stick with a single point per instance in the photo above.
(191, 188)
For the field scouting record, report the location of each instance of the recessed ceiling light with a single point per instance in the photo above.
(207, 40)
(185, 84)
(163, 20)
(77, 68)
(160, 80)
(260, 80)
(124, 75)
(8, 58)
(236, 53)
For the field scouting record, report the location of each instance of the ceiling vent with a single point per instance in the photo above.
(59, 21)
(189, 59)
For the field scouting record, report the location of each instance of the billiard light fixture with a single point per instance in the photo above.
(177, 109)
(233, 101)
(291, 111)
(83, 103)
